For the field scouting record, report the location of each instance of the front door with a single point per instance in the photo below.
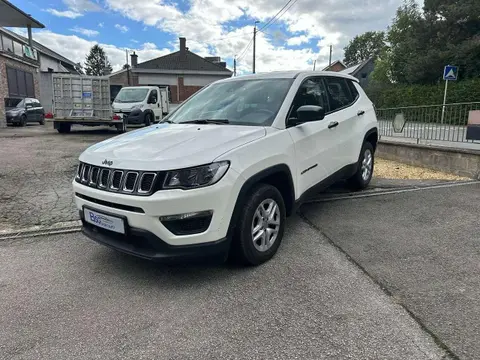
(155, 104)
(315, 144)
(30, 110)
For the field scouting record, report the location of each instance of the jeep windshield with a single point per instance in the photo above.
(240, 102)
(131, 95)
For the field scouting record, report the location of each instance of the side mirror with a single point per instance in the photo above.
(307, 113)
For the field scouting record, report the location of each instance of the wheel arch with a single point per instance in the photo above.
(279, 176)
(371, 136)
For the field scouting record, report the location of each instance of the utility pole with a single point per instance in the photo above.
(128, 70)
(254, 43)
(235, 66)
(330, 60)
(314, 63)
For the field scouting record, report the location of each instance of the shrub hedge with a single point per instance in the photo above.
(387, 96)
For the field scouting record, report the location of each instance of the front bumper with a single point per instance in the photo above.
(12, 119)
(143, 213)
(136, 116)
(146, 245)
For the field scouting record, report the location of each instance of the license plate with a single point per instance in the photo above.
(103, 221)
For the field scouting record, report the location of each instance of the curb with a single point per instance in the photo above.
(58, 228)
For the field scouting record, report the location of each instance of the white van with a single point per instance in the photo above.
(141, 104)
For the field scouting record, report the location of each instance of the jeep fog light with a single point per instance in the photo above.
(188, 223)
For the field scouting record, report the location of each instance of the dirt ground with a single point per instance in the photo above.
(387, 169)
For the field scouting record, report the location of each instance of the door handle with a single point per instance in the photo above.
(360, 113)
(333, 124)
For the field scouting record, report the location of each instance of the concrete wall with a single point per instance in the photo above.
(455, 161)
(159, 79)
(200, 80)
(46, 91)
(47, 62)
(4, 62)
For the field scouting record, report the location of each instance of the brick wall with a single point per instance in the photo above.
(122, 79)
(4, 62)
(184, 92)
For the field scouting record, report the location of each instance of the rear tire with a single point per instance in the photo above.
(361, 179)
(42, 119)
(64, 128)
(258, 232)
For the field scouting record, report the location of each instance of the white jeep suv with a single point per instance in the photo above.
(221, 173)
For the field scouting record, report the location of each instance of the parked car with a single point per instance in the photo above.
(23, 111)
(220, 174)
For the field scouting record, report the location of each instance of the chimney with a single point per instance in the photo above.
(134, 59)
(183, 43)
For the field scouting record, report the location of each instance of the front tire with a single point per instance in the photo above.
(361, 179)
(261, 225)
(148, 119)
(42, 119)
(23, 121)
(64, 128)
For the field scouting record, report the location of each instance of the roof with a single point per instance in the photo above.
(288, 75)
(40, 47)
(354, 69)
(12, 16)
(335, 62)
(178, 61)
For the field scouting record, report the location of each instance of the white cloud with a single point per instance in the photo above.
(100, 24)
(122, 28)
(76, 48)
(67, 13)
(86, 32)
(326, 22)
(82, 5)
(298, 40)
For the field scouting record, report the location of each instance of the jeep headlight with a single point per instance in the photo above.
(196, 177)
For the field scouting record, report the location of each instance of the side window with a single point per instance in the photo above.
(153, 97)
(353, 90)
(28, 103)
(311, 92)
(338, 93)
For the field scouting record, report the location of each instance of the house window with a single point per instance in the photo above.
(17, 49)
(7, 44)
(20, 83)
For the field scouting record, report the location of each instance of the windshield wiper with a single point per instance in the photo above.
(166, 121)
(206, 121)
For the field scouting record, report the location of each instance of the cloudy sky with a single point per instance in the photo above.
(300, 34)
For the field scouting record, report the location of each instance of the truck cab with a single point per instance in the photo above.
(140, 104)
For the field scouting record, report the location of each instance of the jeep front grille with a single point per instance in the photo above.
(117, 180)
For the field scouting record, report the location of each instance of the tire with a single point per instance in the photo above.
(121, 128)
(148, 119)
(361, 179)
(23, 121)
(64, 128)
(42, 119)
(244, 249)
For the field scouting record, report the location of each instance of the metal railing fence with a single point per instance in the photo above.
(425, 122)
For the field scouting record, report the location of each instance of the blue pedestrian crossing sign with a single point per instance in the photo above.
(450, 72)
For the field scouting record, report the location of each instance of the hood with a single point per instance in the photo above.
(125, 106)
(12, 111)
(170, 146)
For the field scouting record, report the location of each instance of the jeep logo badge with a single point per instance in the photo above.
(107, 162)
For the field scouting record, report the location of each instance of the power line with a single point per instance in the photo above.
(276, 17)
(273, 18)
(244, 51)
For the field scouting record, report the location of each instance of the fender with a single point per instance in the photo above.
(370, 132)
(255, 179)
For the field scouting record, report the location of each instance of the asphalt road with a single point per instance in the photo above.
(65, 297)
(37, 165)
(423, 247)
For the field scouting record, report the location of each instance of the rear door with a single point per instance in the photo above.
(314, 142)
(344, 109)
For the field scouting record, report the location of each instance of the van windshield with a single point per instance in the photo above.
(241, 102)
(131, 95)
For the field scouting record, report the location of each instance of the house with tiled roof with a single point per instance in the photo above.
(182, 72)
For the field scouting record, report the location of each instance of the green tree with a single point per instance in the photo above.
(365, 46)
(96, 63)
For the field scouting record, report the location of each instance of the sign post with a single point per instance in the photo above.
(449, 73)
